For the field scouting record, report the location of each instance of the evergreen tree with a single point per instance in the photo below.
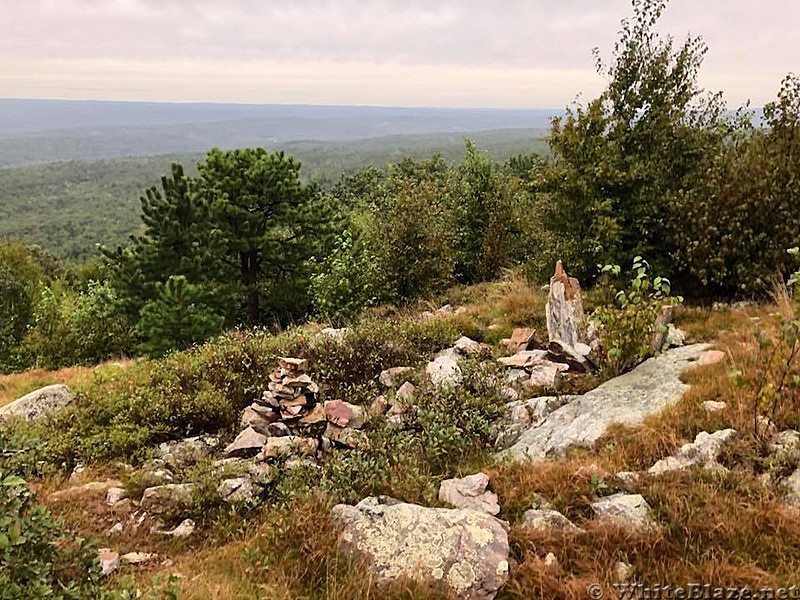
(176, 318)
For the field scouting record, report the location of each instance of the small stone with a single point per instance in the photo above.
(389, 378)
(469, 347)
(792, 484)
(137, 558)
(623, 572)
(703, 451)
(261, 473)
(629, 480)
(117, 529)
(710, 357)
(184, 530)
(469, 492)
(115, 494)
(509, 394)
(546, 374)
(551, 565)
(337, 334)
(378, 406)
(161, 497)
(278, 430)
(183, 453)
(247, 443)
(346, 436)
(571, 355)
(786, 446)
(675, 338)
(109, 561)
(258, 417)
(548, 521)
(713, 406)
(295, 365)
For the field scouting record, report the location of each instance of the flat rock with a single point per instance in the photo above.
(548, 521)
(710, 357)
(137, 558)
(390, 378)
(93, 487)
(247, 443)
(521, 338)
(626, 399)
(444, 371)
(703, 452)
(470, 492)
(628, 510)
(37, 404)
(522, 415)
(522, 359)
(462, 550)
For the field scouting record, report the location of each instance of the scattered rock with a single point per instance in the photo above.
(238, 489)
(547, 374)
(159, 498)
(116, 529)
(37, 404)
(703, 451)
(470, 348)
(345, 414)
(109, 561)
(792, 484)
(444, 371)
(464, 550)
(628, 510)
(551, 565)
(470, 492)
(247, 443)
(346, 436)
(713, 406)
(521, 339)
(522, 359)
(115, 494)
(629, 480)
(86, 488)
(548, 521)
(627, 399)
(259, 418)
(710, 357)
(564, 312)
(389, 378)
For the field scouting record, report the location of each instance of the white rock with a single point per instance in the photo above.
(184, 530)
(469, 492)
(713, 406)
(115, 494)
(237, 489)
(390, 378)
(137, 558)
(549, 521)
(628, 510)
(786, 446)
(444, 372)
(703, 451)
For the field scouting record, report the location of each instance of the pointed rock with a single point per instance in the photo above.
(566, 322)
(247, 443)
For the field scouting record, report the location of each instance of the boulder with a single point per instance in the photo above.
(566, 322)
(626, 399)
(161, 497)
(463, 551)
(628, 510)
(390, 378)
(247, 443)
(548, 521)
(469, 492)
(37, 404)
(444, 371)
(703, 452)
(184, 530)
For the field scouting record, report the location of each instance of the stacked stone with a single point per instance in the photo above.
(292, 396)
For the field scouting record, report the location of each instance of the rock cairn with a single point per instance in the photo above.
(292, 396)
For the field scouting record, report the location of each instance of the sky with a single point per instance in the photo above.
(452, 53)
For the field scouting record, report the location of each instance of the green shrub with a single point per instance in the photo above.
(629, 325)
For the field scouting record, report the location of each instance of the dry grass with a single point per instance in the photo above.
(18, 384)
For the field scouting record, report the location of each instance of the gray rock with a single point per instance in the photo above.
(548, 521)
(390, 378)
(137, 558)
(184, 530)
(403, 397)
(785, 446)
(627, 399)
(290, 445)
(337, 334)
(628, 510)
(565, 318)
(248, 443)
(161, 497)
(346, 436)
(713, 406)
(702, 452)
(629, 480)
(259, 417)
(444, 372)
(521, 415)
(462, 550)
(661, 329)
(470, 492)
(675, 337)
(792, 484)
(470, 348)
(238, 489)
(115, 494)
(576, 357)
(37, 404)
(546, 374)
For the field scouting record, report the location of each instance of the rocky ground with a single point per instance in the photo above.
(654, 476)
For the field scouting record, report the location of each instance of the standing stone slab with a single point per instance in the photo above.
(462, 550)
(626, 399)
(566, 322)
(37, 404)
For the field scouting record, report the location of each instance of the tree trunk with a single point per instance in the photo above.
(249, 270)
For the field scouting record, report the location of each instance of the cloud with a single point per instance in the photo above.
(299, 44)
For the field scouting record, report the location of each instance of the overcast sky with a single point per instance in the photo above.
(493, 53)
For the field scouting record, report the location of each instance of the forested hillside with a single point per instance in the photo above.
(69, 207)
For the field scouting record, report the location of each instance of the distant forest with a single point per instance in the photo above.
(69, 207)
